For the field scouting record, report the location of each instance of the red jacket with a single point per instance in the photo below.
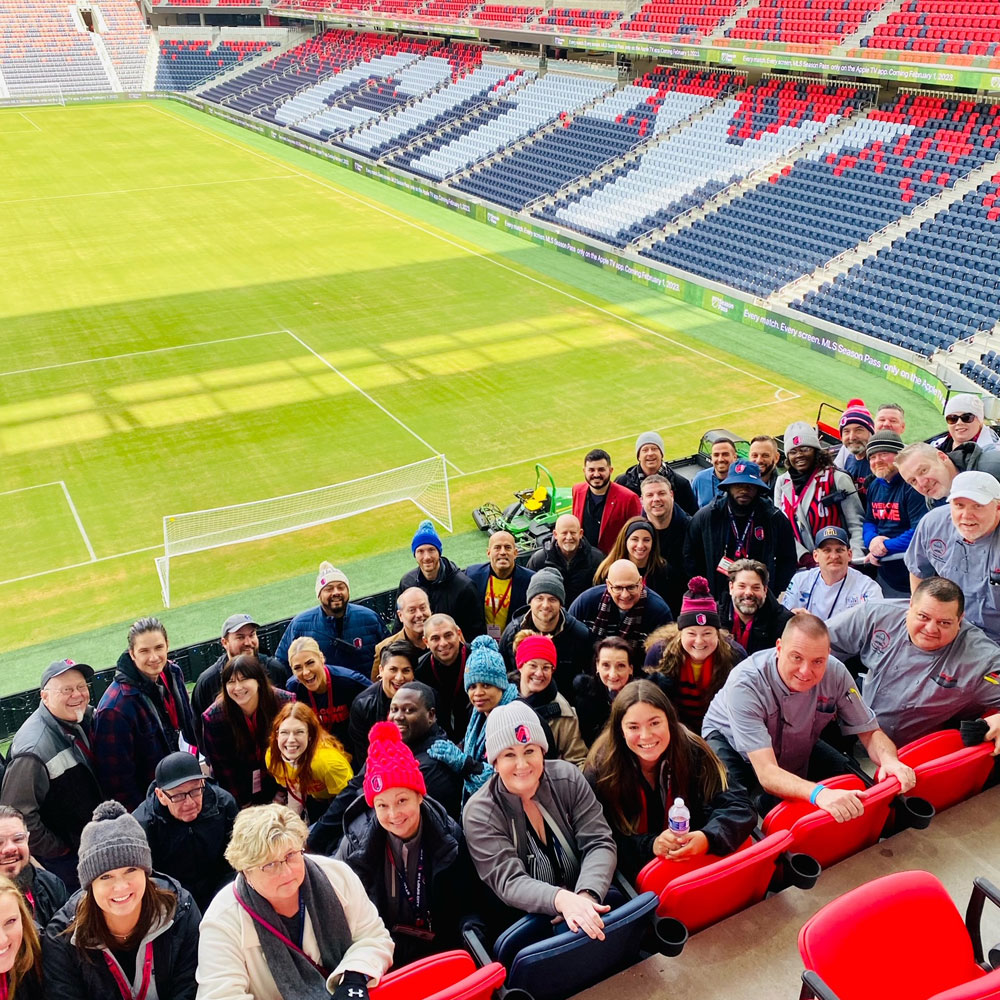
(619, 505)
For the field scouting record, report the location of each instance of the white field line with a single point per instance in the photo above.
(371, 399)
(29, 121)
(79, 523)
(136, 354)
(24, 489)
(89, 562)
(142, 190)
(375, 206)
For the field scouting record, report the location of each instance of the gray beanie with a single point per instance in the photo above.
(112, 839)
(801, 435)
(648, 437)
(883, 441)
(547, 581)
(511, 724)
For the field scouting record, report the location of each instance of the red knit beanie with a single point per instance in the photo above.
(391, 763)
(535, 647)
(698, 607)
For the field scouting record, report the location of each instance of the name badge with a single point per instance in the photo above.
(256, 781)
(493, 632)
(724, 564)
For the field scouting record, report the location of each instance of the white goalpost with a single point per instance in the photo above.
(424, 483)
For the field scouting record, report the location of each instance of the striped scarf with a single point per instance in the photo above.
(815, 517)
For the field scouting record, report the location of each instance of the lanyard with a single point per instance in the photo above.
(169, 703)
(836, 597)
(324, 714)
(29, 896)
(413, 898)
(119, 978)
(791, 507)
(495, 608)
(741, 546)
(283, 938)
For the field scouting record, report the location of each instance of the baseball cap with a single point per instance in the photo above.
(175, 769)
(235, 622)
(964, 402)
(833, 533)
(61, 666)
(979, 487)
(743, 473)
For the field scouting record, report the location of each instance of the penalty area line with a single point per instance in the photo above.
(79, 565)
(79, 523)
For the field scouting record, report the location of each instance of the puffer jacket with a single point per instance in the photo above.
(451, 593)
(348, 642)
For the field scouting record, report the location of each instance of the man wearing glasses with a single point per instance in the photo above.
(623, 607)
(188, 820)
(50, 777)
(963, 414)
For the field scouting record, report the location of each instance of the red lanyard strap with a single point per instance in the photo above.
(283, 938)
(123, 986)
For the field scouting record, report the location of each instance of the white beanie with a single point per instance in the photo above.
(801, 435)
(512, 724)
(964, 402)
(328, 573)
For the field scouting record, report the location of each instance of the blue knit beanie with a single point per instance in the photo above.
(484, 664)
(426, 535)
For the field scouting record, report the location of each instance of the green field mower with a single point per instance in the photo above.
(532, 515)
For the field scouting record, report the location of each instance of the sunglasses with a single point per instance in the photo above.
(966, 418)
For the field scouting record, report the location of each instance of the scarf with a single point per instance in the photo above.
(543, 703)
(475, 745)
(630, 625)
(815, 517)
(296, 975)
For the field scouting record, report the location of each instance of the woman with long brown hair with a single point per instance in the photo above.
(641, 763)
(637, 542)
(237, 729)
(306, 761)
(126, 933)
(20, 949)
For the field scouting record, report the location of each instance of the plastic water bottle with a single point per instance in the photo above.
(679, 817)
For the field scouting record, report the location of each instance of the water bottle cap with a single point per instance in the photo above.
(678, 802)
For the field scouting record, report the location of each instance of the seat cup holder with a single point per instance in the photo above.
(916, 813)
(802, 870)
(671, 936)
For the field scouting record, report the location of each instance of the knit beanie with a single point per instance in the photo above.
(536, 647)
(801, 435)
(698, 607)
(547, 581)
(648, 437)
(112, 839)
(484, 664)
(328, 573)
(883, 441)
(510, 725)
(857, 413)
(426, 535)
(639, 525)
(391, 763)
(964, 402)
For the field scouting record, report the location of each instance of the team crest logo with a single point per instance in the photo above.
(322, 581)
(70, 663)
(880, 640)
(376, 783)
(758, 533)
(701, 619)
(796, 440)
(938, 548)
(826, 704)
(740, 467)
(522, 734)
(358, 643)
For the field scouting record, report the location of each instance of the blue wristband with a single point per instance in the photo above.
(815, 794)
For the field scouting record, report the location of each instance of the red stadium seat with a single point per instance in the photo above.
(451, 975)
(947, 771)
(899, 937)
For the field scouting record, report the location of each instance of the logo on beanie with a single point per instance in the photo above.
(701, 619)
(796, 439)
(376, 783)
(322, 581)
(522, 734)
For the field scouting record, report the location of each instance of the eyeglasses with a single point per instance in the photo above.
(195, 793)
(273, 867)
(68, 692)
(625, 588)
(966, 418)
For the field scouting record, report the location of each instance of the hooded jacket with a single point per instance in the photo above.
(577, 573)
(191, 853)
(348, 641)
(451, 593)
(451, 879)
(133, 732)
(574, 647)
(684, 497)
(72, 974)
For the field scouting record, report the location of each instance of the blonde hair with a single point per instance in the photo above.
(304, 642)
(29, 955)
(258, 830)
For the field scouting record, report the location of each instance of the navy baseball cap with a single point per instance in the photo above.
(831, 533)
(743, 473)
(61, 666)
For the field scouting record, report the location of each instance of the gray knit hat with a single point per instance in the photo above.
(547, 581)
(648, 437)
(112, 839)
(883, 441)
(801, 435)
(512, 724)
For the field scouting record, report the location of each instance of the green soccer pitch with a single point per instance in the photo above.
(193, 316)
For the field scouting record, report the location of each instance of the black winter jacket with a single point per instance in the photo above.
(684, 496)
(369, 707)
(767, 624)
(577, 573)
(574, 647)
(452, 593)
(46, 893)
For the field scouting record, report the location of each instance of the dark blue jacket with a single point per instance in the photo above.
(346, 642)
(892, 509)
(656, 614)
(479, 574)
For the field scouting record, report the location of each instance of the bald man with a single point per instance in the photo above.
(570, 555)
(502, 585)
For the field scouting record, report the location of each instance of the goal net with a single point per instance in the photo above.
(424, 483)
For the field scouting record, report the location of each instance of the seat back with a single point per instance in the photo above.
(450, 975)
(894, 937)
(947, 771)
(558, 967)
(659, 872)
(709, 894)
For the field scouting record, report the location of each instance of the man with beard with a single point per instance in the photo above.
(239, 635)
(765, 455)
(749, 609)
(671, 524)
(963, 413)
(371, 706)
(961, 542)
(347, 633)
(413, 710)
(706, 483)
(570, 555)
(649, 453)
(931, 471)
(412, 609)
(834, 585)
(856, 427)
(44, 892)
(442, 668)
(544, 614)
(449, 591)
(601, 506)
(741, 523)
(502, 585)
(50, 778)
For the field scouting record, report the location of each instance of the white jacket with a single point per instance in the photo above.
(231, 962)
(851, 510)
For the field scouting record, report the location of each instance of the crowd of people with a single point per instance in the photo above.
(300, 823)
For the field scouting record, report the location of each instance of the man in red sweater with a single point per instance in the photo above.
(602, 506)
